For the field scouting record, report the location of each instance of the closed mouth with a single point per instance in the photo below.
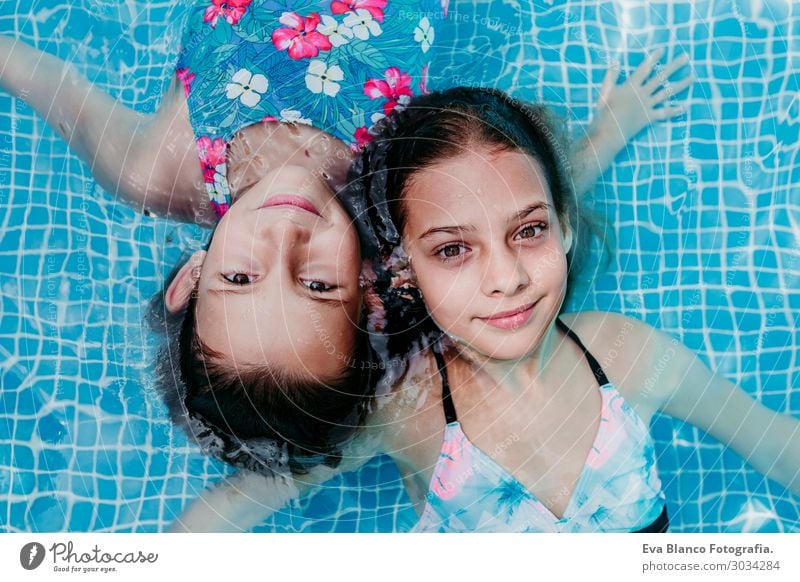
(511, 319)
(291, 201)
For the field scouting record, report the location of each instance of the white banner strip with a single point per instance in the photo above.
(399, 557)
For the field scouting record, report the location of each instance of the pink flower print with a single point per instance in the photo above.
(363, 137)
(454, 455)
(301, 38)
(212, 155)
(395, 87)
(220, 208)
(445, 4)
(374, 7)
(231, 10)
(269, 118)
(186, 77)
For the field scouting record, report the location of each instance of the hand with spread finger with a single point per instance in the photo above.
(648, 95)
(623, 110)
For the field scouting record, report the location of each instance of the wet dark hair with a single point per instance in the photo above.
(265, 419)
(261, 418)
(443, 125)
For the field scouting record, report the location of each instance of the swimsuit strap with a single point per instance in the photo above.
(593, 364)
(447, 398)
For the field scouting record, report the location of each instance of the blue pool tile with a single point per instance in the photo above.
(50, 429)
(46, 514)
(107, 488)
(52, 460)
(133, 463)
(106, 514)
(81, 516)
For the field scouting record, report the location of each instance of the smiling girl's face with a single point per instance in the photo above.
(279, 283)
(487, 249)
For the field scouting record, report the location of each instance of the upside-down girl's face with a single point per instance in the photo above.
(487, 249)
(279, 284)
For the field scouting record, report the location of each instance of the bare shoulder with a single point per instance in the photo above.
(167, 161)
(629, 351)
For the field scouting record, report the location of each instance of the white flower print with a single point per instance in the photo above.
(221, 180)
(294, 116)
(362, 24)
(402, 102)
(337, 32)
(424, 34)
(247, 87)
(322, 79)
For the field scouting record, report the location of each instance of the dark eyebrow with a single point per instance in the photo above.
(532, 208)
(447, 230)
(469, 228)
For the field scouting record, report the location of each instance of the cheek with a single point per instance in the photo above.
(447, 293)
(230, 331)
(428, 277)
(547, 265)
(342, 245)
(333, 341)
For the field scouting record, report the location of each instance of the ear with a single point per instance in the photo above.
(567, 238)
(177, 296)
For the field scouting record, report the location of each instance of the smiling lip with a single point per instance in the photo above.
(511, 319)
(291, 200)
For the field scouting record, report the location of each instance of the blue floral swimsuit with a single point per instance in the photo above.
(618, 489)
(337, 65)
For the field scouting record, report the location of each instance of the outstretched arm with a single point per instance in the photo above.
(150, 161)
(243, 500)
(622, 112)
(683, 387)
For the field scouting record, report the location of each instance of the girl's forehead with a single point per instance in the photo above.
(488, 163)
(482, 176)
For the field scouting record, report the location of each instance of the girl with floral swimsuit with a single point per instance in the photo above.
(269, 98)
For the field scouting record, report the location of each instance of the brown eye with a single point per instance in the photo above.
(318, 286)
(238, 279)
(529, 231)
(451, 251)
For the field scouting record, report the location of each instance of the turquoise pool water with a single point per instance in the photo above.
(706, 210)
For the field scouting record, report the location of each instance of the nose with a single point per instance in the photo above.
(281, 241)
(504, 273)
(285, 231)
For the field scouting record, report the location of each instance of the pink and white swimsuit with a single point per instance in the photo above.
(618, 489)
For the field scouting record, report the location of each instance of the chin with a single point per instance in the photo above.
(504, 350)
(509, 355)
